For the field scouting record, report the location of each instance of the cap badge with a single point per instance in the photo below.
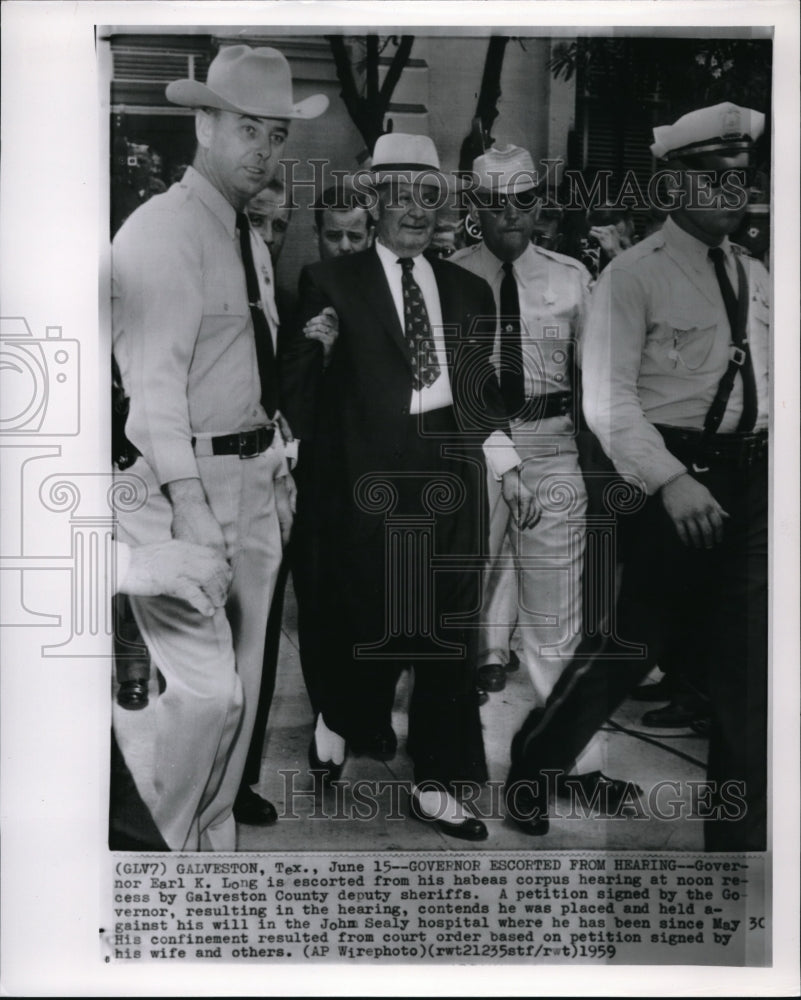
(732, 124)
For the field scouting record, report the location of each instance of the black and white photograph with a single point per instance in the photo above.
(401, 499)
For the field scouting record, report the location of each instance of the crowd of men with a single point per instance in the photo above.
(404, 439)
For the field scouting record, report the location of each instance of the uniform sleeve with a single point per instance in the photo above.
(158, 309)
(612, 349)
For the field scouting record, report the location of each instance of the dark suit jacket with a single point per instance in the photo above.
(353, 417)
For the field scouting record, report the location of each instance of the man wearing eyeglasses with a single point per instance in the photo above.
(540, 297)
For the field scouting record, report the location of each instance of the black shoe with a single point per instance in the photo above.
(526, 806)
(611, 793)
(133, 695)
(491, 677)
(513, 663)
(252, 810)
(379, 746)
(663, 690)
(331, 771)
(677, 715)
(465, 829)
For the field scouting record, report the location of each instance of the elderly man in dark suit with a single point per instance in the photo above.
(400, 422)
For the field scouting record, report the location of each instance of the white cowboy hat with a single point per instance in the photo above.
(505, 170)
(248, 81)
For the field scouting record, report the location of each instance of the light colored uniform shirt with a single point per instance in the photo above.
(182, 331)
(657, 343)
(499, 451)
(553, 292)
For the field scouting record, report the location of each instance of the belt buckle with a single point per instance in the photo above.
(737, 355)
(244, 451)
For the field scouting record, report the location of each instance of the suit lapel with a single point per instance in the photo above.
(374, 290)
(451, 305)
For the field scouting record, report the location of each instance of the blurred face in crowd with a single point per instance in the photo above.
(405, 216)
(269, 217)
(238, 154)
(507, 225)
(343, 231)
(705, 213)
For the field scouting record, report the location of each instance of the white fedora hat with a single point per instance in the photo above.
(505, 170)
(406, 157)
(248, 81)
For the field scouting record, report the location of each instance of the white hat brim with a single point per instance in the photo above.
(193, 94)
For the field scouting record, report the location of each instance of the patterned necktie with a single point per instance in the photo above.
(265, 355)
(512, 384)
(417, 329)
(736, 317)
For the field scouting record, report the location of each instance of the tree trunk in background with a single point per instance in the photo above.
(367, 111)
(478, 138)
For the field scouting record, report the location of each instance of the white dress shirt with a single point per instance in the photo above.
(499, 451)
(438, 394)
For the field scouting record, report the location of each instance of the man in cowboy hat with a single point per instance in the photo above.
(533, 581)
(675, 364)
(398, 420)
(194, 328)
(541, 299)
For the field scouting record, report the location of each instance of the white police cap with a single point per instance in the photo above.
(722, 128)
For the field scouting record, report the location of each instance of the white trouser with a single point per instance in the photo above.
(532, 586)
(533, 580)
(212, 666)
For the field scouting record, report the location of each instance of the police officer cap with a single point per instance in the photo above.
(724, 128)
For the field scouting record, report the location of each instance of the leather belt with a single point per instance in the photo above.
(246, 444)
(740, 451)
(552, 404)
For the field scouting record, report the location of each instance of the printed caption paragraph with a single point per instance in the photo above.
(625, 908)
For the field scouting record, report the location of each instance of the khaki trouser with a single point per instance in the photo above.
(212, 666)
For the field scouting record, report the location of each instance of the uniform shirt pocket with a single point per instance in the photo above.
(682, 341)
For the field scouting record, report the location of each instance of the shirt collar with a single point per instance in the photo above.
(689, 246)
(523, 267)
(388, 257)
(211, 198)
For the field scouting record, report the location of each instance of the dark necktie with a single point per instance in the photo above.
(736, 311)
(512, 384)
(265, 355)
(417, 329)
